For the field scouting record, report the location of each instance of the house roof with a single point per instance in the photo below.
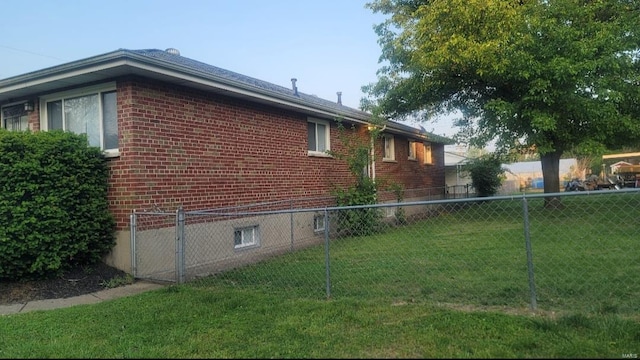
(453, 159)
(171, 67)
(621, 163)
(623, 155)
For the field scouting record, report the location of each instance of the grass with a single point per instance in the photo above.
(118, 281)
(455, 286)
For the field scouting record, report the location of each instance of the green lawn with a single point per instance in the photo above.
(453, 286)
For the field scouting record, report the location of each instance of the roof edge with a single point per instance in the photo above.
(133, 58)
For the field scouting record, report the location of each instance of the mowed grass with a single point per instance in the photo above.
(452, 286)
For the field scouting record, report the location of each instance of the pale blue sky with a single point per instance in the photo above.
(328, 45)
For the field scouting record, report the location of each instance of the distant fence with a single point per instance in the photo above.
(580, 252)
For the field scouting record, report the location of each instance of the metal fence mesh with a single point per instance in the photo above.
(509, 252)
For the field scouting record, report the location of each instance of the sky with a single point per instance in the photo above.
(327, 45)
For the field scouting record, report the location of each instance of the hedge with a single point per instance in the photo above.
(53, 204)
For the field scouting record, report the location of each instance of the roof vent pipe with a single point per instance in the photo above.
(339, 97)
(173, 51)
(295, 88)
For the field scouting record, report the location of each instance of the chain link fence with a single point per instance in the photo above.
(579, 252)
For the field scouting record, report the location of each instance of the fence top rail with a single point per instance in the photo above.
(415, 203)
(225, 209)
(155, 213)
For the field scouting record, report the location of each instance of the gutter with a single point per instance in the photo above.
(128, 59)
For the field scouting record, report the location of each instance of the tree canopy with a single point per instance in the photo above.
(548, 75)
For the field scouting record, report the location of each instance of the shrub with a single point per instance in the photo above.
(364, 221)
(398, 190)
(355, 152)
(53, 204)
(486, 174)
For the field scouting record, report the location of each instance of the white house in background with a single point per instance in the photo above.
(454, 175)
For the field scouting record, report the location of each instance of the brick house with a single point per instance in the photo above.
(179, 132)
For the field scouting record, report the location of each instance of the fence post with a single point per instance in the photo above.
(291, 221)
(527, 240)
(180, 245)
(326, 253)
(132, 234)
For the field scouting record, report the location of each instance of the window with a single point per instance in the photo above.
(412, 150)
(14, 118)
(317, 136)
(427, 154)
(91, 111)
(245, 237)
(389, 153)
(319, 222)
(390, 211)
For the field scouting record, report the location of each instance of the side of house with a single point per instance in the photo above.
(180, 133)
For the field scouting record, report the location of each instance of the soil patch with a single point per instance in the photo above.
(77, 281)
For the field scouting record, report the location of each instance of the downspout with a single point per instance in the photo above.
(373, 153)
(372, 173)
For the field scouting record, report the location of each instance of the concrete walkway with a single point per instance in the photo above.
(93, 298)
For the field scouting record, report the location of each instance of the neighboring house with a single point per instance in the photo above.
(457, 179)
(454, 169)
(179, 132)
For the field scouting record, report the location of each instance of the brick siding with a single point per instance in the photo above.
(201, 151)
(184, 147)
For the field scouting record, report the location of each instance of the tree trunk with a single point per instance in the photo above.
(551, 177)
(583, 163)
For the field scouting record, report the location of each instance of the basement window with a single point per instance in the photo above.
(246, 237)
(319, 223)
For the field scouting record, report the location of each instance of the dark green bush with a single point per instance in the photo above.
(486, 174)
(365, 221)
(355, 151)
(53, 204)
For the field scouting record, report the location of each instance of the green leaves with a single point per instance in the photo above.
(53, 203)
(536, 55)
(486, 174)
(553, 74)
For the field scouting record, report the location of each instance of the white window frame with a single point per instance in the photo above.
(249, 237)
(3, 119)
(319, 223)
(326, 140)
(390, 211)
(388, 148)
(85, 91)
(412, 150)
(428, 156)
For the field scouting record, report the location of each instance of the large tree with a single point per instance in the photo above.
(548, 75)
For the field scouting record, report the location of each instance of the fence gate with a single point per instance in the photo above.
(153, 245)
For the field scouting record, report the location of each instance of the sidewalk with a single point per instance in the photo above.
(108, 294)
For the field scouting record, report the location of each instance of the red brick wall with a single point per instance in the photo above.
(34, 117)
(202, 151)
(412, 174)
(182, 147)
